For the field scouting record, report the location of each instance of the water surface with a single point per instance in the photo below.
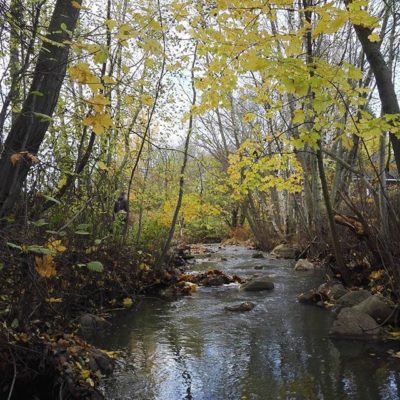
(192, 349)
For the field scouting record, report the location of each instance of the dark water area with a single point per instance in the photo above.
(192, 348)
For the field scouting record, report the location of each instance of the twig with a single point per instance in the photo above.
(15, 376)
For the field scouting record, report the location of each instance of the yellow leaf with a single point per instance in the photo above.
(45, 266)
(376, 274)
(147, 99)
(127, 302)
(109, 79)
(57, 246)
(374, 37)
(298, 117)
(395, 334)
(85, 373)
(99, 122)
(54, 300)
(248, 117)
(98, 102)
(128, 99)
(75, 4)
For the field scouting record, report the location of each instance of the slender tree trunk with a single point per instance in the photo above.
(183, 169)
(320, 160)
(28, 130)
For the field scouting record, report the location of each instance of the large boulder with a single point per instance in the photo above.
(257, 284)
(351, 299)
(286, 251)
(304, 265)
(376, 307)
(351, 323)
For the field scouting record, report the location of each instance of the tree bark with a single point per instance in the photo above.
(28, 130)
(383, 78)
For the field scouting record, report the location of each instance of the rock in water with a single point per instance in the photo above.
(257, 255)
(286, 251)
(258, 284)
(246, 306)
(353, 298)
(351, 323)
(304, 265)
(376, 307)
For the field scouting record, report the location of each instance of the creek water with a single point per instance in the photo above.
(191, 348)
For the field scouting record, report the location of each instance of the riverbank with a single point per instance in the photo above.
(47, 314)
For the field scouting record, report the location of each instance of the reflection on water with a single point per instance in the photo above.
(193, 349)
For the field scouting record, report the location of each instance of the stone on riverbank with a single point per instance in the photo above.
(284, 250)
(376, 307)
(351, 323)
(246, 306)
(304, 265)
(89, 324)
(353, 298)
(332, 290)
(258, 284)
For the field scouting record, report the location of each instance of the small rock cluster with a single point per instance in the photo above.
(360, 315)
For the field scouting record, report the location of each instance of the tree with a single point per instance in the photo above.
(29, 128)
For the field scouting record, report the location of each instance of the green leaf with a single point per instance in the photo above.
(36, 93)
(39, 223)
(82, 233)
(49, 198)
(14, 246)
(39, 250)
(15, 323)
(96, 266)
(83, 227)
(43, 117)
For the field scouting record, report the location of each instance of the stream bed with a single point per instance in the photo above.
(191, 348)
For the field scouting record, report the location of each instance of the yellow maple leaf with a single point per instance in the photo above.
(45, 266)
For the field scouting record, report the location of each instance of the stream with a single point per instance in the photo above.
(192, 348)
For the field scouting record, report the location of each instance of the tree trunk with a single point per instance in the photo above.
(183, 169)
(383, 78)
(28, 130)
